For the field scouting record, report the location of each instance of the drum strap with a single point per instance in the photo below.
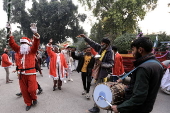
(138, 66)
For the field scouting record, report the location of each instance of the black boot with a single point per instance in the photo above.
(40, 91)
(28, 107)
(59, 87)
(94, 110)
(54, 88)
(19, 94)
(34, 102)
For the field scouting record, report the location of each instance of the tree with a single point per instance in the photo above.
(97, 32)
(55, 19)
(123, 42)
(119, 16)
(2, 39)
(18, 36)
(162, 36)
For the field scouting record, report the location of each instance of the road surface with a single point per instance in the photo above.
(67, 100)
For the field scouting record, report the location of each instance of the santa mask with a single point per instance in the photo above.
(24, 49)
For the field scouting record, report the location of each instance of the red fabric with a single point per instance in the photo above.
(29, 58)
(28, 83)
(53, 58)
(5, 60)
(17, 60)
(93, 52)
(28, 86)
(118, 68)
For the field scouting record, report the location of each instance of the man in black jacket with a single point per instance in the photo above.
(85, 66)
(145, 81)
(105, 61)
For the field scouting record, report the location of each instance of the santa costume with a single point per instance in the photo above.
(58, 66)
(26, 66)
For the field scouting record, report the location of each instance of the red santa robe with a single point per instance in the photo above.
(53, 64)
(118, 68)
(27, 81)
(17, 60)
(5, 61)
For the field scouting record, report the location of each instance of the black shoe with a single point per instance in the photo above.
(28, 107)
(39, 92)
(34, 102)
(59, 88)
(19, 94)
(94, 110)
(54, 88)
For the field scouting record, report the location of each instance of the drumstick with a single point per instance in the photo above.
(105, 101)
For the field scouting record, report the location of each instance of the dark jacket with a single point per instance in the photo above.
(81, 62)
(107, 61)
(143, 88)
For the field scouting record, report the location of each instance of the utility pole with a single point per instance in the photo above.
(8, 21)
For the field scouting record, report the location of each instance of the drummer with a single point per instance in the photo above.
(106, 60)
(145, 80)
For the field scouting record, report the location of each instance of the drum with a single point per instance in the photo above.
(111, 92)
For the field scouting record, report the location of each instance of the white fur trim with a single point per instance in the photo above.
(37, 37)
(49, 45)
(61, 79)
(24, 40)
(55, 78)
(30, 43)
(28, 73)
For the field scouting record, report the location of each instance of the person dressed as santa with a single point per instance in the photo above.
(6, 63)
(26, 66)
(58, 65)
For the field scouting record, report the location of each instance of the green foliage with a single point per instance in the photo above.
(2, 39)
(97, 32)
(80, 44)
(119, 16)
(18, 36)
(56, 20)
(123, 42)
(161, 37)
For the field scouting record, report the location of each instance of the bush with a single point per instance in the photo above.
(123, 42)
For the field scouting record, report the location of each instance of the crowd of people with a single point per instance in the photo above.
(97, 61)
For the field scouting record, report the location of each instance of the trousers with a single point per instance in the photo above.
(7, 73)
(86, 79)
(28, 86)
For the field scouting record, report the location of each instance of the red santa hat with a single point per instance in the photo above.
(25, 39)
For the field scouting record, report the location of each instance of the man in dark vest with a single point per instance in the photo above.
(145, 81)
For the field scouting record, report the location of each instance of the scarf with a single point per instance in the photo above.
(102, 55)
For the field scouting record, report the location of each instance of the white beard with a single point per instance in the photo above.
(24, 49)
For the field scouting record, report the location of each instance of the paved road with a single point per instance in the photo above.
(67, 100)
